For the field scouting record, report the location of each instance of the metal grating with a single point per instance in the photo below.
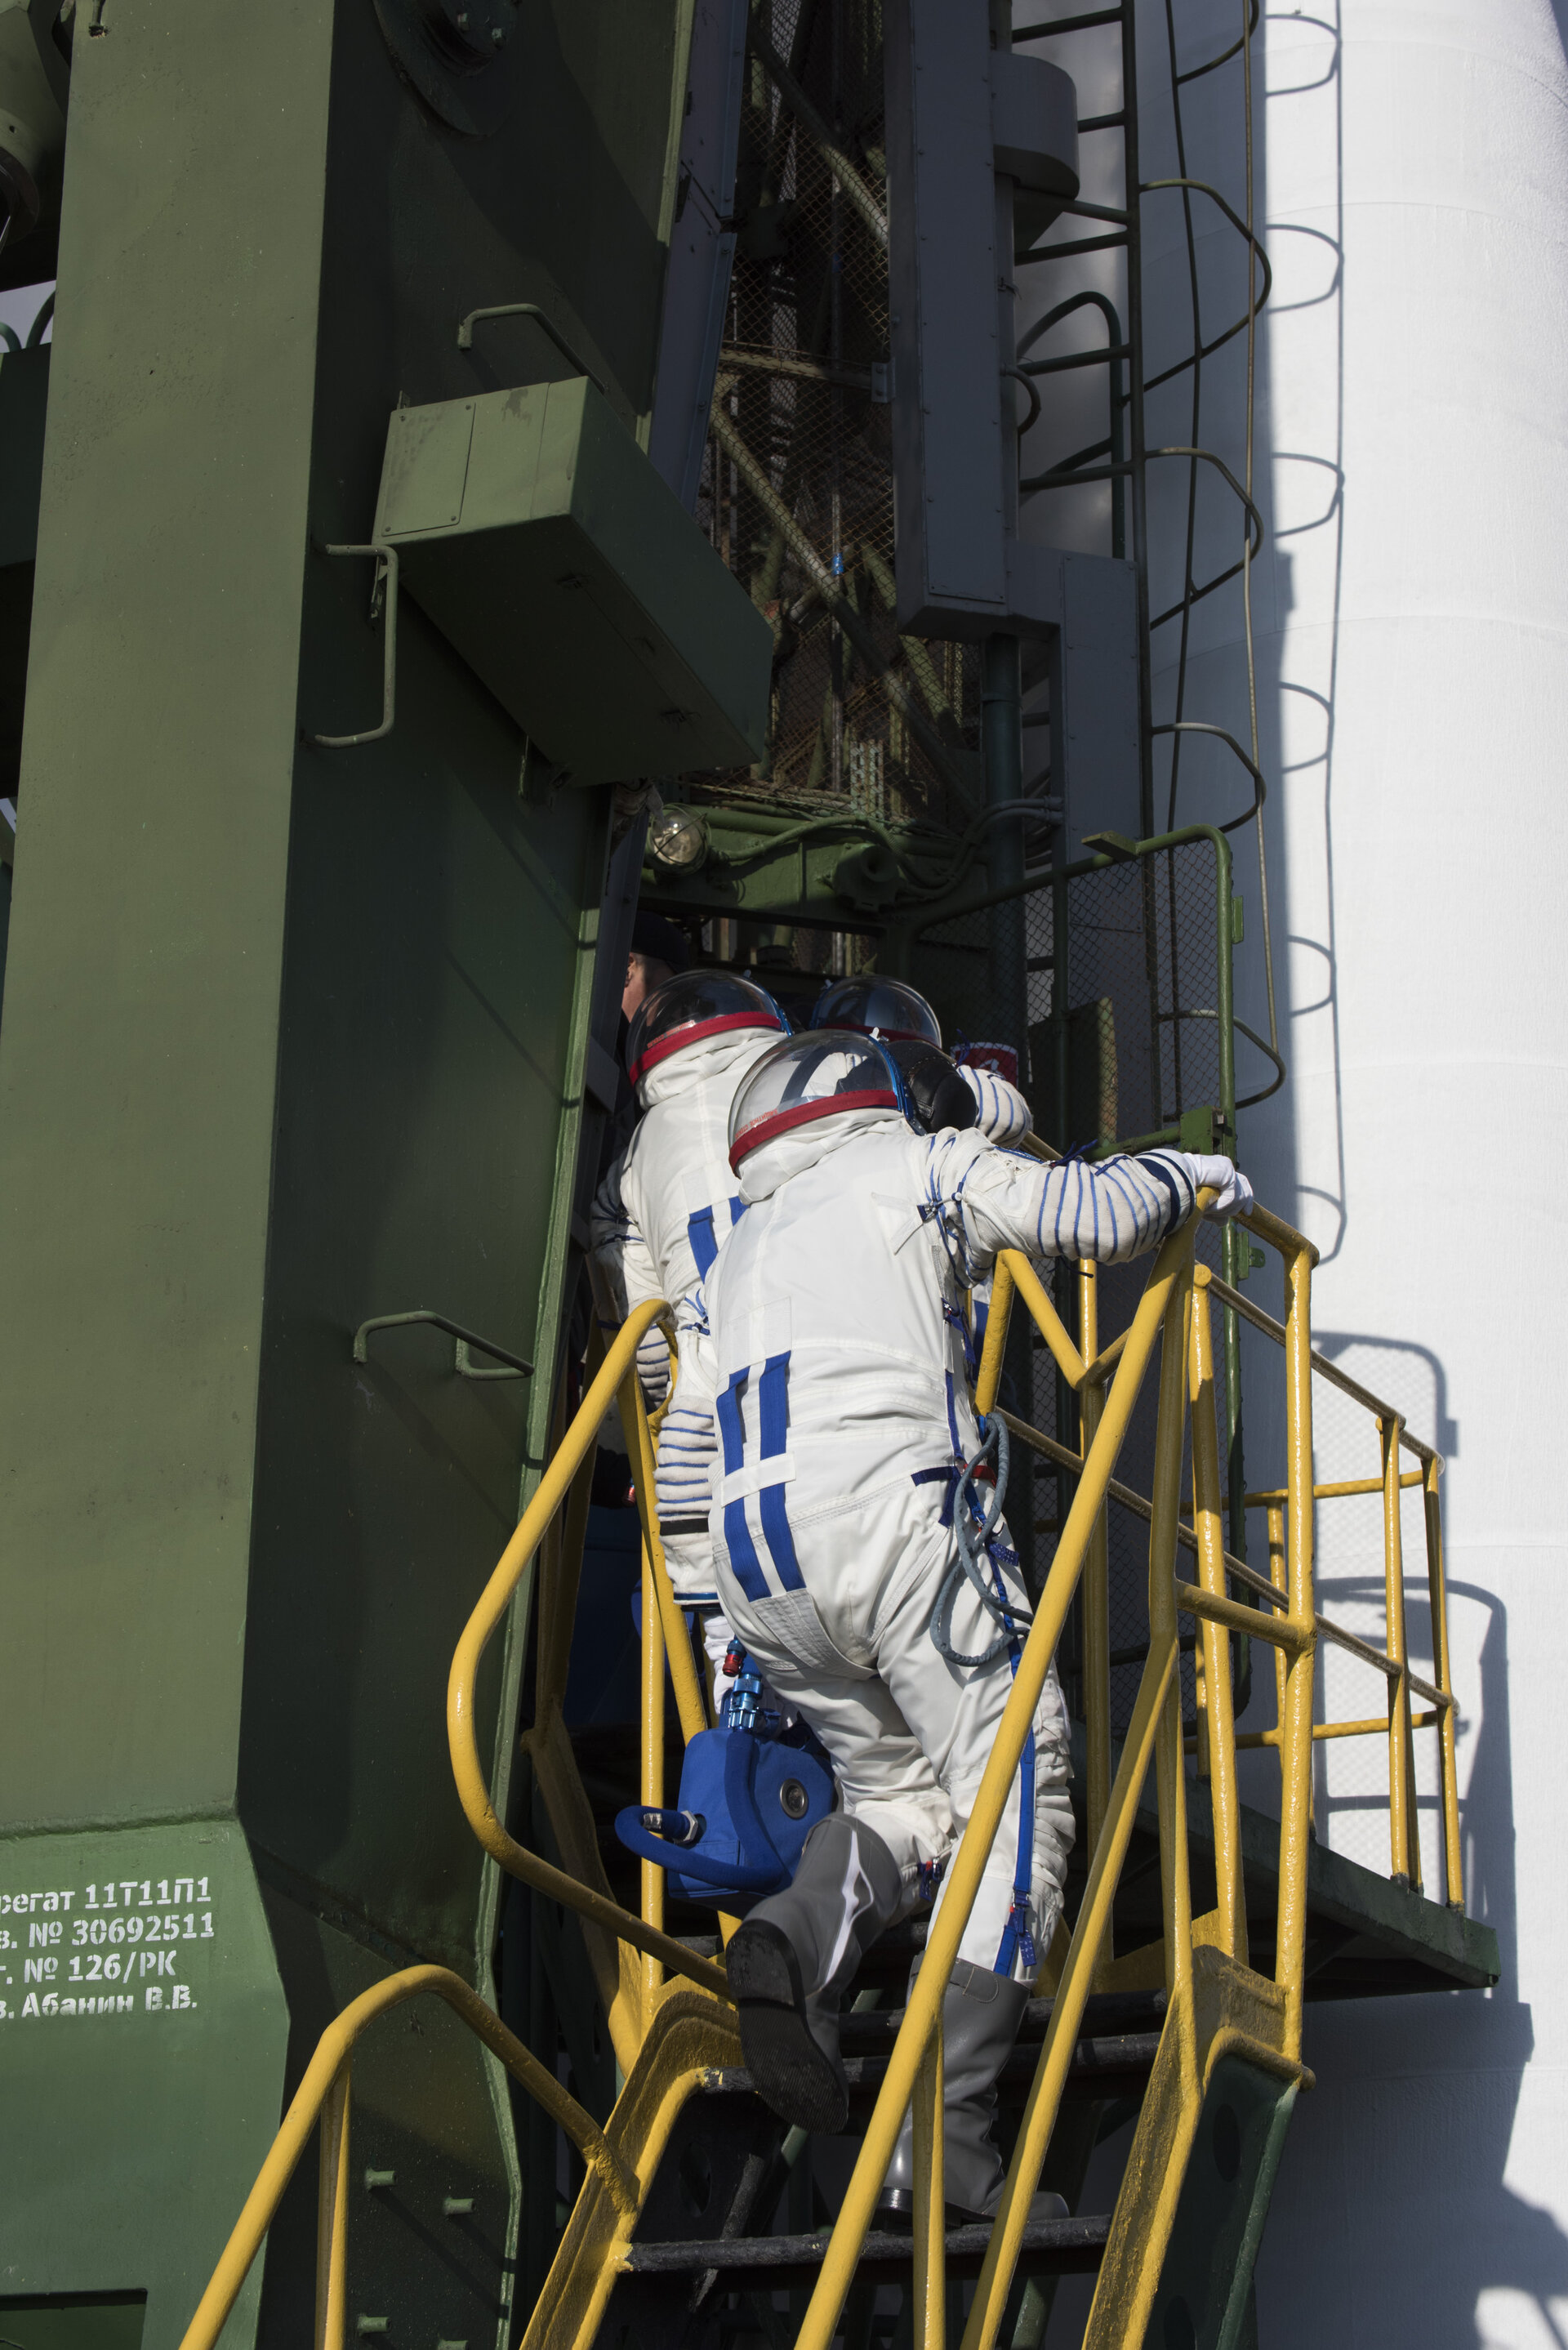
(797, 487)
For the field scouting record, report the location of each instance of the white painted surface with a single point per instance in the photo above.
(1412, 620)
(1411, 615)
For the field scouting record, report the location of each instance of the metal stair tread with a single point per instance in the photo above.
(1131, 2054)
(1070, 2243)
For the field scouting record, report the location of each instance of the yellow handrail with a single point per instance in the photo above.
(1173, 1314)
(325, 2078)
(985, 1815)
(473, 1791)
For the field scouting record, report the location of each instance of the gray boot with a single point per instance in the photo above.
(792, 1959)
(981, 2013)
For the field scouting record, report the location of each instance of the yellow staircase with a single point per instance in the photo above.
(673, 2238)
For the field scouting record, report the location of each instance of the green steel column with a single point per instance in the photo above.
(291, 1038)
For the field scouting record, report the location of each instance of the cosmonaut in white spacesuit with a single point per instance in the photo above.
(665, 1209)
(827, 1343)
(899, 1014)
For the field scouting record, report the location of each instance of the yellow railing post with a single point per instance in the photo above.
(689, 1704)
(1170, 1775)
(1295, 1714)
(1097, 1588)
(985, 1814)
(1072, 1996)
(1453, 1863)
(1403, 1830)
(330, 2066)
(1207, 1524)
(989, 1376)
(473, 1793)
(1163, 1297)
(1281, 1581)
(652, 1774)
(332, 2216)
(931, 2211)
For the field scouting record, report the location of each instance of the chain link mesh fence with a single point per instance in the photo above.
(1130, 1047)
(797, 484)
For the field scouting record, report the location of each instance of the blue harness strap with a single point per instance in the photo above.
(703, 1237)
(699, 1235)
(968, 1338)
(773, 1413)
(951, 1473)
(742, 1550)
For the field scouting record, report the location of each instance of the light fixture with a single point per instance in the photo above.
(678, 840)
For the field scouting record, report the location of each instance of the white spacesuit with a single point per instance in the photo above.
(666, 1207)
(827, 1340)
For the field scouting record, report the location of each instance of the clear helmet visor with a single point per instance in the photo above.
(691, 1005)
(898, 1013)
(826, 1073)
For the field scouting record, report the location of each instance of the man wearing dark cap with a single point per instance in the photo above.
(657, 952)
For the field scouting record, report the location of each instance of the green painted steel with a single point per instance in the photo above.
(1204, 2298)
(142, 2056)
(292, 1039)
(532, 531)
(23, 404)
(826, 871)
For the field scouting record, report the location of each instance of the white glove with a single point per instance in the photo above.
(1220, 1175)
(1003, 1114)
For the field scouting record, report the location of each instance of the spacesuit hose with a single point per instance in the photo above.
(974, 1522)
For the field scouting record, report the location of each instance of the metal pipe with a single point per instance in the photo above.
(688, 1702)
(1229, 1890)
(1089, 1935)
(1453, 1865)
(332, 2216)
(1194, 1600)
(1096, 1584)
(833, 154)
(843, 611)
(1338, 1491)
(930, 2214)
(332, 2051)
(1138, 439)
(652, 1779)
(462, 1740)
(1319, 1363)
(1277, 1576)
(1295, 1717)
(1176, 1892)
(1405, 1853)
(1375, 1725)
(386, 559)
(985, 1814)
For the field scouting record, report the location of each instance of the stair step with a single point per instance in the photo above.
(1104, 2067)
(1108, 2014)
(1049, 2247)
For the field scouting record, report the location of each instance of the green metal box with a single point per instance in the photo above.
(534, 532)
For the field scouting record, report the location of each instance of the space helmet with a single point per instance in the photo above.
(896, 1010)
(693, 1004)
(823, 1072)
(938, 1095)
